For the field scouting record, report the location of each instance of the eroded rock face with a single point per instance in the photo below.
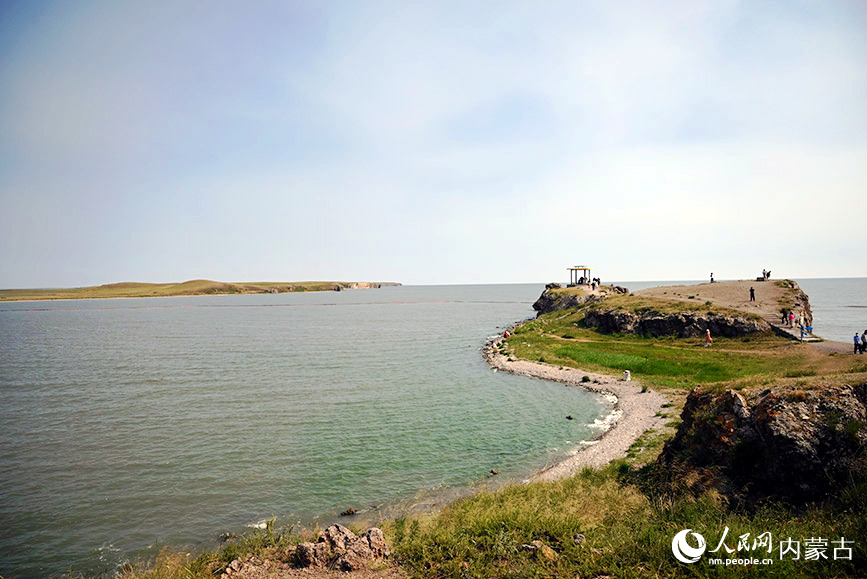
(552, 301)
(340, 548)
(797, 445)
(683, 325)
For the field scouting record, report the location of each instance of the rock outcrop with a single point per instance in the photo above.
(683, 325)
(340, 548)
(554, 299)
(551, 301)
(337, 548)
(797, 445)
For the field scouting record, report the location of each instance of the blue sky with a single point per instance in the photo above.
(438, 142)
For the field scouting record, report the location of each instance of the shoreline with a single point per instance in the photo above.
(633, 412)
(191, 288)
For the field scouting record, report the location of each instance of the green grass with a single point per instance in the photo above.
(269, 542)
(559, 338)
(626, 532)
(678, 366)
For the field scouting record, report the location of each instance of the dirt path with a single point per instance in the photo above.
(730, 294)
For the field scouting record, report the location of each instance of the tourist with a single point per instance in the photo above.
(792, 318)
(857, 344)
(764, 275)
(752, 294)
(708, 341)
(864, 341)
(783, 320)
(711, 277)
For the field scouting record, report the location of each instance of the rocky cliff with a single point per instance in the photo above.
(556, 297)
(797, 445)
(683, 325)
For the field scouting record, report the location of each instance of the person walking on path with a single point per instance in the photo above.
(708, 341)
(857, 343)
(752, 294)
(792, 319)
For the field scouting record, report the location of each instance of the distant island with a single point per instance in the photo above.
(196, 287)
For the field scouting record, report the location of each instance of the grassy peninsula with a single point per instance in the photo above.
(196, 287)
(618, 521)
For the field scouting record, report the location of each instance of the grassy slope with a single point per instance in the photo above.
(559, 338)
(626, 521)
(187, 288)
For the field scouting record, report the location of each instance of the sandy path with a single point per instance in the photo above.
(634, 412)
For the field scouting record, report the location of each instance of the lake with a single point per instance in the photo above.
(135, 423)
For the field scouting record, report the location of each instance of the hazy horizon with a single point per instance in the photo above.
(695, 280)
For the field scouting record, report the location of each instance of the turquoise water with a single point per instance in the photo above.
(131, 424)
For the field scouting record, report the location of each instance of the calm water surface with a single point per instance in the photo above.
(130, 424)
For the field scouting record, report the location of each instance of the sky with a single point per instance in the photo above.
(431, 142)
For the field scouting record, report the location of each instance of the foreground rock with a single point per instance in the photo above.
(340, 548)
(337, 548)
(798, 445)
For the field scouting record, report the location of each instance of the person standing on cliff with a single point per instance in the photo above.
(711, 277)
(864, 341)
(857, 344)
(752, 295)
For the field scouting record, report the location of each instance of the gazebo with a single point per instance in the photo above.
(573, 274)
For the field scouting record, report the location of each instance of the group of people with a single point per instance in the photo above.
(788, 318)
(593, 283)
(860, 343)
(766, 274)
